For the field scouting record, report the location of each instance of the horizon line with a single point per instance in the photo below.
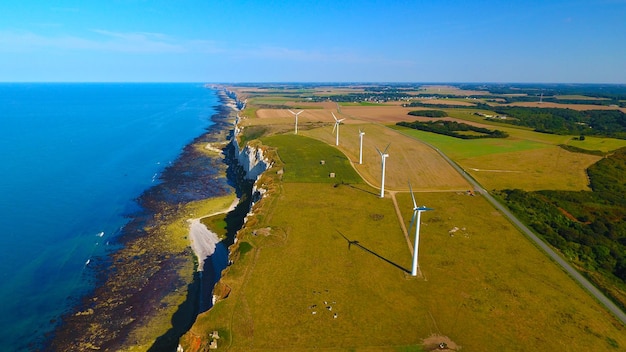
(314, 82)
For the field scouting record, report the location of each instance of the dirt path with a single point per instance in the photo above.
(401, 220)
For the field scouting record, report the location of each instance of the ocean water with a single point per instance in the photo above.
(73, 158)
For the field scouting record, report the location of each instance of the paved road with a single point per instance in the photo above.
(614, 309)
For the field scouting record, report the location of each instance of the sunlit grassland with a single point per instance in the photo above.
(513, 162)
(309, 160)
(408, 160)
(249, 112)
(460, 149)
(596, 143)
(485, 285)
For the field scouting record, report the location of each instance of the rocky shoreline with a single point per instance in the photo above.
(146, 277)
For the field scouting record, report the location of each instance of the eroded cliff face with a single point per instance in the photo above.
(251, 158)
(251, 161)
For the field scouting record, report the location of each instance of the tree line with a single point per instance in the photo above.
(606, 123)
(452, 129)
(587, 227)
(428, 113)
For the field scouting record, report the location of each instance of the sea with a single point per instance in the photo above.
(73, 160)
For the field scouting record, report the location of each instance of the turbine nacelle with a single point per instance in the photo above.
(336, 126)
(383, 154)
(296, 115)
(337, 122)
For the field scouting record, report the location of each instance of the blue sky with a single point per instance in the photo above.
(313, 41)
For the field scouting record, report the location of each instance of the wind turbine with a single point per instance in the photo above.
(417, 212)
(383, 157)
(337, 123)
(296, 115)
(361, 134)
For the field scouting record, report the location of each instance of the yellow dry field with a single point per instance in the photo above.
(578, 107)
(308, 115)
(409, 160)
(544, 166)
(532, 170)
(387, 114)
(378, 114)
(300, 287)
(447, 102)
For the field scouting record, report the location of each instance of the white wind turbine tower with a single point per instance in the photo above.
(417, 212)
(383, 157)
(361, 133)
(296, 115)
(337, 123)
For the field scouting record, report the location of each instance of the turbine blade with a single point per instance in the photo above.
(291, 111)
(412, 196)
(342, 235)
(334, 116)
(379, 152)
(385, 152)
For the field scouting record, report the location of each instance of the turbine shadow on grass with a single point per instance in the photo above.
(357, 244)
(361, 189)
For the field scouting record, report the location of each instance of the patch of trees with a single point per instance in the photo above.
(415, 104)
(587, 227)
(428, 113)
(454, 129)
(607, 123)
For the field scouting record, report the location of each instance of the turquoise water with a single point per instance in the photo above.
(73, 157)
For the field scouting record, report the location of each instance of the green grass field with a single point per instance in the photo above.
(484, 285)
(515, 162)
(595, 143)
(303, 158)
(457, 148)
